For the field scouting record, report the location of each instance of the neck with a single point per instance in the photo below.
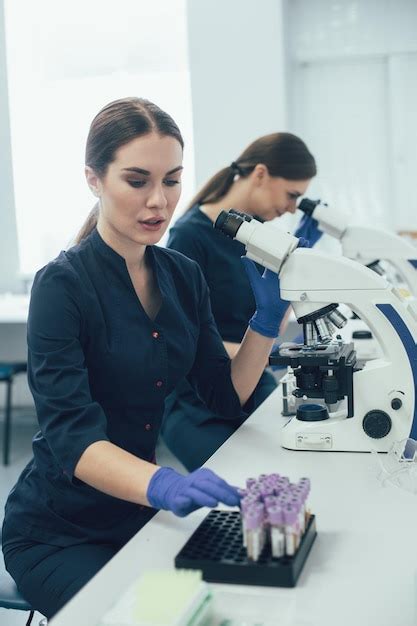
(236, 198)
(132, 252)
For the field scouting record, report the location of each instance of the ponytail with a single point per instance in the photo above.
(284, 155)
(215, 188)
(89, 224)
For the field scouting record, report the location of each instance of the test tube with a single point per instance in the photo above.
(291, 524)
(300, 495)
(270, 501)
(266, 489)
(254, 530)
(255, 490)
(283, 482)
(274, 476)
(297, 502)
(250, 482)
(306, 485)
(277, 532)
(284, 497)
(245, 504)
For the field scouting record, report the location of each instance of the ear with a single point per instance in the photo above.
(260, 174)
(93, 181)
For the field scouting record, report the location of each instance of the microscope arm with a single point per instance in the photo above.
(366, 244)
(314, 283)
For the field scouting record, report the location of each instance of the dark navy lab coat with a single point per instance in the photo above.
(232, 303)
(99, 369)
(218, 256)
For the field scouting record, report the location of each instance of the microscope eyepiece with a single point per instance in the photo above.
(307, 206)
(229, 222)
(244, 216)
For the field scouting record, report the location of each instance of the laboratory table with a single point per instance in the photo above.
(361, 571)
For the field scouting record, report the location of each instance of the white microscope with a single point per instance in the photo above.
(338, 405)
(386, 253)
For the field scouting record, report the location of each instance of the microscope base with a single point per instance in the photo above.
(340, 435)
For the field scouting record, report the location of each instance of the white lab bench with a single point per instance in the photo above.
(14, 310)
(361, 571)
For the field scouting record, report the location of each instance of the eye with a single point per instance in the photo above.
(136, 183)
(293, 196)
(171, 183)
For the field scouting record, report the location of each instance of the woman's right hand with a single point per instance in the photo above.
(308, 228)
(180, 494)
(270, 308)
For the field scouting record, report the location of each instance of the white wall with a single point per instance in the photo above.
(353, 69)
(9, 261)
(237, 66)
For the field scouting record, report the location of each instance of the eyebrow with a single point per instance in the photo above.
(139, 170)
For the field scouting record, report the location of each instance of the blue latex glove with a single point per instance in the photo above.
(308, 228)
(270, 309)
(180, 494)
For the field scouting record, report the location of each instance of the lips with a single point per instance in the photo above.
(152, 224)
(152, 221)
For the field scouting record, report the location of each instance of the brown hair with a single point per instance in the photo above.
(114, 126)
(284, 155)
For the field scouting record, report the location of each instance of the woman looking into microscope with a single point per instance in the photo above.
(264, 181)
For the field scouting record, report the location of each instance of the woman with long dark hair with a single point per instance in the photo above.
(265, 181)
(114, 324)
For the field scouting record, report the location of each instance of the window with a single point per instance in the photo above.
(65, 61)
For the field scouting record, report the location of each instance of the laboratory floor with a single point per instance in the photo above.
(23, 428)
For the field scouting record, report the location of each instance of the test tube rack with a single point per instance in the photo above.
(217, 550)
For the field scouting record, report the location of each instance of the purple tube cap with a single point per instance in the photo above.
(301, 493)
(259, 506)
(270, 501)
(254, 518)
(274, 476)
(283, 481)
(275, 515)
(266, 490)
(296, 503)
(247, 502)
(290, 515)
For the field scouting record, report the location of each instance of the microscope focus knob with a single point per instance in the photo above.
(377, 424)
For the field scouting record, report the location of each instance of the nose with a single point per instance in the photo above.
(157, 198)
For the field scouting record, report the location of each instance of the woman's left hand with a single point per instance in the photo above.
(270, 309)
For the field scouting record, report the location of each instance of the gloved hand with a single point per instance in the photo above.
(270, 309)
(308, 228)
(180, 494)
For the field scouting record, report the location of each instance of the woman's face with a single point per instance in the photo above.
(273, 196)
(141, 188)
